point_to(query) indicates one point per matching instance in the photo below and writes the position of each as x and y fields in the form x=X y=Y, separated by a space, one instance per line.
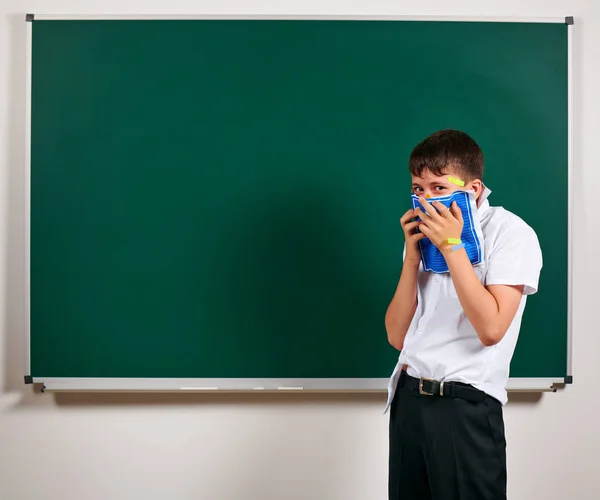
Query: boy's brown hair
x=444 y=150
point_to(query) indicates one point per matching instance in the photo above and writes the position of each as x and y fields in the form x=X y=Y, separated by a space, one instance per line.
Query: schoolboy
x=456 y=331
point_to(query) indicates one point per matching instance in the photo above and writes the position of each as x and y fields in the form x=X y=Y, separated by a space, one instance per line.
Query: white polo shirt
x=441 y=343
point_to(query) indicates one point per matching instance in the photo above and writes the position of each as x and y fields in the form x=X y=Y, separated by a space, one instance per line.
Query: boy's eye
x=417 y=189
x=440 y=188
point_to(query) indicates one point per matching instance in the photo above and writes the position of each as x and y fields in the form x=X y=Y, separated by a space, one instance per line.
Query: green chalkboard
x=220 y=198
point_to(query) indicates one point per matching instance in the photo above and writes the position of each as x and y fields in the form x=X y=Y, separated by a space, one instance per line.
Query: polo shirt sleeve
x=516 y=259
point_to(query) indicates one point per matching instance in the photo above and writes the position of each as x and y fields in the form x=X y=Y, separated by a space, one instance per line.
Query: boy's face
x=431 y=186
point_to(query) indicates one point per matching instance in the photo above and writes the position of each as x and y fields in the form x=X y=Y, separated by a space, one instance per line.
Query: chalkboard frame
x=279 y=385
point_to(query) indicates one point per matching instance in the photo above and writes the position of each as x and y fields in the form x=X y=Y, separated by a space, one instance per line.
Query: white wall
x=266 y=447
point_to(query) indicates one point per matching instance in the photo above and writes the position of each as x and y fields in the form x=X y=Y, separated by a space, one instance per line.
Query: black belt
x=430 y=387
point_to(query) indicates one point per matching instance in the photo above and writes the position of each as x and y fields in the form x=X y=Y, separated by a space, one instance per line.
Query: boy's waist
x=494 y=387
x=440 y=388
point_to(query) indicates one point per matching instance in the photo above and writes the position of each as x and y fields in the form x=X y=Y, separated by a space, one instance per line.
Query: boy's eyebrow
x=440 y=182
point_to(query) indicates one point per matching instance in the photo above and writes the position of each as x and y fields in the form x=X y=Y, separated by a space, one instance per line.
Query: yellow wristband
x=454 y=241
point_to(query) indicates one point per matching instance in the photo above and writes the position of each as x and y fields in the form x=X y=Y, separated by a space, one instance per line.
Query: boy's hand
x=413 y=253
x=438 y=227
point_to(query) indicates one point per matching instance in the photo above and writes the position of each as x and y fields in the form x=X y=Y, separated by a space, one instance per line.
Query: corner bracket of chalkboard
x=569 y=379
x=29 y=18
x=569 y=20
x=28 y=379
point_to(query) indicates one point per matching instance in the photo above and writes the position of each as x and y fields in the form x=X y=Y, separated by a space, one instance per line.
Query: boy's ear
x=477 y=186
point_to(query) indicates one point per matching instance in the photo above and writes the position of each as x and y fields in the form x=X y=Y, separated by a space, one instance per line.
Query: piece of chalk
x=454 y=241
x=458 y=247
x=456 y=181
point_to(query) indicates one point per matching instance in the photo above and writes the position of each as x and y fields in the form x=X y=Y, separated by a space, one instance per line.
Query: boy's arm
x=490 y=310
x=513 y=270
x=402 y=308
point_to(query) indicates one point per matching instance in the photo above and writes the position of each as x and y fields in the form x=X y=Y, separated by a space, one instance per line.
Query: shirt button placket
x=435 y=299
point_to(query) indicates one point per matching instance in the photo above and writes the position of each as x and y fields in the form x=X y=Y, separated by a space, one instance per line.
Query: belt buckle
x=421 y=391
x=426 y=393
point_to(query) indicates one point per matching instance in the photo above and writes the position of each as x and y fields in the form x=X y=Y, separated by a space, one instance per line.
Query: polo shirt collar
x=482 y=203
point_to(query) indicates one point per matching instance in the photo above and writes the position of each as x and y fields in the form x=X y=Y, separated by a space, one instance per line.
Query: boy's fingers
x=425 y=230
x=407 y=216
x=411 y=225
x=456 y=211
x=417 y=237
x=443 y=209
x=429 y=210
x=422 y=214
x=429 y=223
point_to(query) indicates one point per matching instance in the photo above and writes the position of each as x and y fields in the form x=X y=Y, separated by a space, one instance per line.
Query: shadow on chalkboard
x=225 y=398
x=377 y=399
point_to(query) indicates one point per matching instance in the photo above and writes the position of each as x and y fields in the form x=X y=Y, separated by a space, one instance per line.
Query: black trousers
x=444 y=448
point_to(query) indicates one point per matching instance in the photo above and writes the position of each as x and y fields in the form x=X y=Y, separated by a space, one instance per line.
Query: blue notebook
x=471 y=236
